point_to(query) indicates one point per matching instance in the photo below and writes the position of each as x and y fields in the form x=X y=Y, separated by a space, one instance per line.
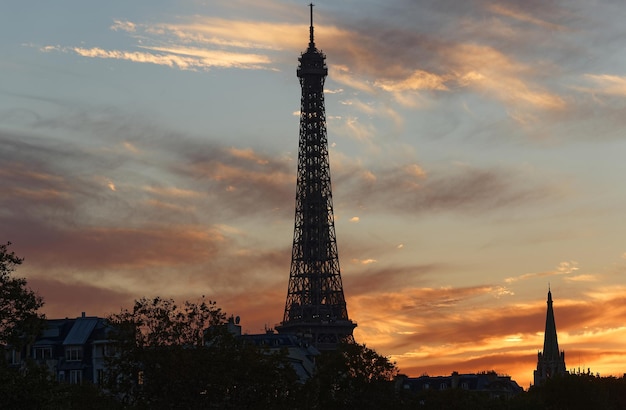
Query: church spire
x=550 y=340
x=551 y=361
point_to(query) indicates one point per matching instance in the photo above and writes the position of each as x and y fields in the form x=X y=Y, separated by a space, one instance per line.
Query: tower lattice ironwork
x=315 y=307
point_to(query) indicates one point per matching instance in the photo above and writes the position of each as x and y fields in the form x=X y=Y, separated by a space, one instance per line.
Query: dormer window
x=73 y=353
x=42 y=353
x=14 y=357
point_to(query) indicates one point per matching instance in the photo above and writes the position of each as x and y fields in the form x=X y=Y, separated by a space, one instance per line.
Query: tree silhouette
x=351 y=377
x=180 y=357
x=20 y=321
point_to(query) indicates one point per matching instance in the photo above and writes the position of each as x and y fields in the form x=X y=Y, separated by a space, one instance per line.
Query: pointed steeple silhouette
x=551 y=361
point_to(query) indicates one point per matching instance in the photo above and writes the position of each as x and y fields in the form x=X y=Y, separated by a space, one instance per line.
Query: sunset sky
x=477 y=151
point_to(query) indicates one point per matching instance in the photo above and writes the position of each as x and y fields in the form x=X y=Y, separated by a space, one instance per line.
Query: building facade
x=73 y=350
x=488 y=383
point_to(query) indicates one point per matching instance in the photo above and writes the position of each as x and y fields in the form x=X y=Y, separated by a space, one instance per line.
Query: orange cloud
x=128 y=26
x=418 y=80
x=606 y=84
x=438 y=331
x=248 y=154
x=64 y=299
x=488 y=69
x=213 y=58
x=564 y=268
x=182 y=58
x=36 y=194
x=201 y=43
x=112 y=248
x=232 y=33
x=16 y=170
x=172 y=192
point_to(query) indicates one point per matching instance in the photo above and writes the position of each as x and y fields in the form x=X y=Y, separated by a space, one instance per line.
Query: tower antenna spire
x=311 y=42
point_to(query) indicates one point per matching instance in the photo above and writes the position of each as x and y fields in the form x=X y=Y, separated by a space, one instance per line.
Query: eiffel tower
x=316 y=307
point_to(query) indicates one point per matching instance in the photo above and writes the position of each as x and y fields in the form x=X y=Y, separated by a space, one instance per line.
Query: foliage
x=29 y=385
x=32 y=387
x=570 y=392
x=237 y=374
x=453 y=399
x=141 y=335
x=19 y=321
x=579 y=391
x=351 y=377
x=183 y=357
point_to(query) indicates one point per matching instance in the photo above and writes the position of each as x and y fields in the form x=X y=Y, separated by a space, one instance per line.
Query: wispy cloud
x=564 y=268
x=231 y=33
x=418 y=80
x=434 y=62
x=127 y=26
x=172 y=192
x=458 y=187
x=216 y=58
x=203 y=43
x=197 y=43
x=182 y=58
x=583 y=278
x=606 y=84
x=486 y=68
x=516 y=13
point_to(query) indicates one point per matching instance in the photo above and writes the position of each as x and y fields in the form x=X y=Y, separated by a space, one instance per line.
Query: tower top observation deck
x=312 y=61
